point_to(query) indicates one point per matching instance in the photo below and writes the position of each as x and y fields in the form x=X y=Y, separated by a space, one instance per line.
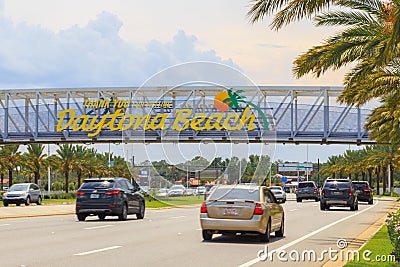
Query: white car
x=177 y=191
x=201 y=190
x=279 y=193
x=163 y=192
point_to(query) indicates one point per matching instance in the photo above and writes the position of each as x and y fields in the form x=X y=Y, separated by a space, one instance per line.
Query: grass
x=174 y=201
x=162 y=203
x=378 y=245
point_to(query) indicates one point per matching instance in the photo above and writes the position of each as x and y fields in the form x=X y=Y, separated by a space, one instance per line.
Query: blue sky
x=90 y=43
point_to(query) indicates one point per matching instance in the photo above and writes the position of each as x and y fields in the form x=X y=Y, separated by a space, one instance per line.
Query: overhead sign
x=231 y=111
x=295 y=167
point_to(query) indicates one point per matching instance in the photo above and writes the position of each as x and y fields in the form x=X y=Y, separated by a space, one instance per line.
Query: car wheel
x=101 y=216
x=5 y=204
x=281 y=230
x=327 y=207
x=316 y=199
x=27 y=201
x=283 y=201
x=81 y=217
x=124 y=213
x=322 y=206
x=265 y=237
x=371 y=202
x=356 y=206
x=39 y=202
x=140 y=215
x=207 y=235
x=299 y=200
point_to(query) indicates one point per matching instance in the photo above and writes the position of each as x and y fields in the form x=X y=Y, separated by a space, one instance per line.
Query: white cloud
x=93 y=55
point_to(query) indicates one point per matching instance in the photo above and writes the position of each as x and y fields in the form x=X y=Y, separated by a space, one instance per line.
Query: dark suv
x=109 y=197
x=338 y=192
x=307 y=190
x=364 y=191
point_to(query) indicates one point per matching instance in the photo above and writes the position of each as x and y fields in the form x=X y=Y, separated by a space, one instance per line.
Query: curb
x=362 y=239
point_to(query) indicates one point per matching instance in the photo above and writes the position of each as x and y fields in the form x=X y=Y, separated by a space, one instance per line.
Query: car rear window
x=235 y=193
x=361 y=185
x=302 y=185
x=339 y=185
x=97 y=184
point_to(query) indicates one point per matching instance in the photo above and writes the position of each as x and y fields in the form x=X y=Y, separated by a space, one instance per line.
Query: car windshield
x=339 y=185
x=163 y=190
x=302 y=185
x=19 y=187
x=97 y=185
x=360 y=185
x=235 y=193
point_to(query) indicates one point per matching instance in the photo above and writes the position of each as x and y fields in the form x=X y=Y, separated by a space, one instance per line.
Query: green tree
x=65 y=155
x=35 y=159
x=11 y=157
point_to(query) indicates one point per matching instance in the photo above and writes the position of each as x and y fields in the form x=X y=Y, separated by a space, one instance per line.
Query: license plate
x=230 y=212
x=358 y=191
x=94 y=195
x=337 y=193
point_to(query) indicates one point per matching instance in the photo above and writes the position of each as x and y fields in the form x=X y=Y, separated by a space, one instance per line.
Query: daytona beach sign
x=235 y=113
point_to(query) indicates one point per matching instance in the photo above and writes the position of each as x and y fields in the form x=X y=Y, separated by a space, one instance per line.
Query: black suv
x=338 y=192
x=307 y=190
x=364 y=191
x=109 y=197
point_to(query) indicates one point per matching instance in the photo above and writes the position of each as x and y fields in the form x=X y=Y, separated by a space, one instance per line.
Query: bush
x=393 y=225
x=61 y=196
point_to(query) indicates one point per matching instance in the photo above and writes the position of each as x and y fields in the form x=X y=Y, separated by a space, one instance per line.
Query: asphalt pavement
x=171 y=237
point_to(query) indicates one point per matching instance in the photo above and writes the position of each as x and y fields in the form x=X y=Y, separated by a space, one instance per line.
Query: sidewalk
x=34 y=211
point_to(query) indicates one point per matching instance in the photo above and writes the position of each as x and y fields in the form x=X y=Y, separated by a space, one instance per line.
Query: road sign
x=295 y=167
x=284 y=179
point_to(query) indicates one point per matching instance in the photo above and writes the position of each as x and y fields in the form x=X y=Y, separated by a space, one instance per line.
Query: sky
x=91 y=43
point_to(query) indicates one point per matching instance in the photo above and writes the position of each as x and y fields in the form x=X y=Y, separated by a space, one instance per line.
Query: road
x=172 y=237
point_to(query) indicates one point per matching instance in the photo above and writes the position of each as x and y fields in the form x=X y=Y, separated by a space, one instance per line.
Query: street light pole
x=48 y=171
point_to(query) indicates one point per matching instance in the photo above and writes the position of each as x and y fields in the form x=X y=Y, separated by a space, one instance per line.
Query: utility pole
x=48 y=171
x=318 y=174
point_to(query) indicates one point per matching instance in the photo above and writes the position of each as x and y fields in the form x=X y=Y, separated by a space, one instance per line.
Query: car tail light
x=80 y=193
x=315 y=190
x=258 y=209
x=78 y=206
x=350 y=192
x=112 y=206
x=366 y=189
x=323 y=192
x=203 y=208
x=297 y=190
x=113 y=192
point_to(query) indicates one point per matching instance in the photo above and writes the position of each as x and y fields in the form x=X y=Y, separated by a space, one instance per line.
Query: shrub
x=393 y=225
x=60 y=196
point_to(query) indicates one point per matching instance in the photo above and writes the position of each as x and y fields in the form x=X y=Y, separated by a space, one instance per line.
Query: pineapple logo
x=230 y=100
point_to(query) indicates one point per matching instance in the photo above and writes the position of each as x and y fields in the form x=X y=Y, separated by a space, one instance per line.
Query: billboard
x=295 y=167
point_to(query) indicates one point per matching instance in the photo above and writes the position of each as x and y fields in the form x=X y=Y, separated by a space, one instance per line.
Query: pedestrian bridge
x=284 y=114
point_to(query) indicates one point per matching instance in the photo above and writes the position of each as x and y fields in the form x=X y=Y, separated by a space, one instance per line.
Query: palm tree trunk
x=2 y=180
x=391 y=178
x=384 y=172
x=37 y=177
x=66 y=181
x=370 y=177
x=363 y=176
x=79 y=174
x=10 y=177
x=378 y=172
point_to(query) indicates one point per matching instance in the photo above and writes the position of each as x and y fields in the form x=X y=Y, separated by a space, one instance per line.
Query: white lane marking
x=177 y=217
x=199 y=229
x=256 y=260
x=6 y=224
x=160 y=211
x=98 y=227
x=315 y=205
x=97 y=250
x=293 y=209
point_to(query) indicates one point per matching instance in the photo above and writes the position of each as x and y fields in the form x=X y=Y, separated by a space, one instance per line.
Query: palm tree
x=35 y=159
x=65 y=155
x=11 y=159
x=81 y=156
x=234 y=98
